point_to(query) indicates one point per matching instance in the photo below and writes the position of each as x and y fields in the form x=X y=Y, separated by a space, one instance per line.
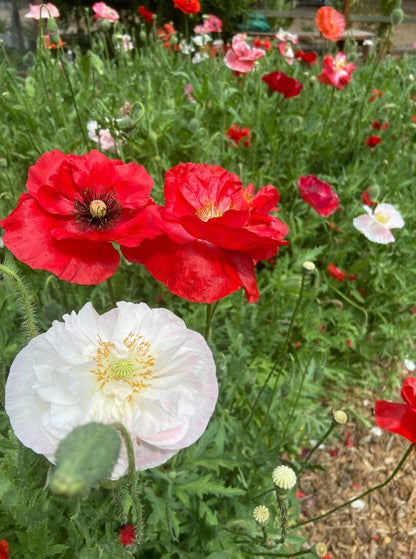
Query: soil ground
x=384 y=524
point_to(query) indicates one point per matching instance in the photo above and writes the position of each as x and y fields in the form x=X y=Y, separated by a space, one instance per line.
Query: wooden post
x=347 y=9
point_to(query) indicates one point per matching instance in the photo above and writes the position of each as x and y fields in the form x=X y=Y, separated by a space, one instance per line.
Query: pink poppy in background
x=286 y=37
x=102 y=137
x=318 y=194
x=102 y=11
x=399 y=418
x=376 y=226
x=212 y=24
x=215 y=231
x=189 y=88
x=241 y=57
x=309 y=57
x=286 y=50
x=336 y=70
x=38 y=11
x=372 y=141
x=280 y=82
x=330 y=23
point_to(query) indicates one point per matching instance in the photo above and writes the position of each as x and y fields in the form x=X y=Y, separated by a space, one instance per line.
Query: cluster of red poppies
x=203 y=244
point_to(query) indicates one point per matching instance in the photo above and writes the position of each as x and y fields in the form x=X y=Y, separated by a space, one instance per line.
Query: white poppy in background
x=376 y=227
x=102 y=136
x=138 y=366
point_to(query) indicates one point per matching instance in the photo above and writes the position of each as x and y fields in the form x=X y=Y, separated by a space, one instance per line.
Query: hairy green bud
x=397 y=16
x=85 y=457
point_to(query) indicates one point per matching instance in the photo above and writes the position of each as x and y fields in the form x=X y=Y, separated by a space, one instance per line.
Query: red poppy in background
x=330 y=23
x=318 y=194
x=414 y=118
x=74 y=209
x=309 y=57
x=377 y=94
x=400 y=418
x=146 y=15
x=280 y=82
x=237 y=134
x=262 y=43
x=372 y=141
x=4 y=549
x=215 y=231
x=187 y=6
x=366 y=198
x=127 y=534
x=338 y=274
x=336 y=70
x=377 y=125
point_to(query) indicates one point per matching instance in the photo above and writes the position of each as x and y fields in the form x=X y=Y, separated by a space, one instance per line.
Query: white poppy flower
x=376 y=227
x=135 y=365
x=102 y=136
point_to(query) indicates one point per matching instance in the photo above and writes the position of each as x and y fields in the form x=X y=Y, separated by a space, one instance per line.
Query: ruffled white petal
x=53 y=385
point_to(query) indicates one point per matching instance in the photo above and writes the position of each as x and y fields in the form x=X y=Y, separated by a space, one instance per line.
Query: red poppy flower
x=400 y=418
x=414 y=118
x=127 y=534
x=375 y=95
x=330 y=23
x=309 y=57
x=74 y=209
x=336 y=70
x=377 y=125
x=372 y=141
x=262 y=43
x=318 y=194
x=338 y=274
x=187 y=6
x=215 y=231
x=280 y=82
x=365 y=197
x=237 y=134
x=4 y=549
x=146 y=15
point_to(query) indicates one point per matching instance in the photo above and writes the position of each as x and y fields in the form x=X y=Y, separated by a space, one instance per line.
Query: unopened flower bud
x=309 y=266
x=261 y=515
x=321 y=549
x=284 y=477
x=397 y=16
x=52 y=31
x=340 y=417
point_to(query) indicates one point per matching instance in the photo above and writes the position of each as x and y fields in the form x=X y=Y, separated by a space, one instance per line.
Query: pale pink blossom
x=376 y=227
x=286 y=51
x=102 y=136
x=212 y=24
x=287 y=37
x=38 y=11
x=134 y=365
x=189 y=88
x=241 y=57
x=102 y=11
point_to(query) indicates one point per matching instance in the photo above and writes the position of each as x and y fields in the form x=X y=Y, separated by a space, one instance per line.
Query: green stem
x=375 y=488
x=111 y=292
x=131 y=473
x=208 y=320
x=282 y=504
x=318 y=444
x=274 y=554
x=32 y=330
x=282 y=350
x=74 y=101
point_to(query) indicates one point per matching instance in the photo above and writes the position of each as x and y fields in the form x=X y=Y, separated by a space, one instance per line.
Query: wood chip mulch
x=384 y=526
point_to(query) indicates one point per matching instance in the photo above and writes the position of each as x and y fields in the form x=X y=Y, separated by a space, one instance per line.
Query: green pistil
x=123 y=368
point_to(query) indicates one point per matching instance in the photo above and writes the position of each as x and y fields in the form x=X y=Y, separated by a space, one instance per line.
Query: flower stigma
x=97 y=209
x=382 y=217
x=127 y=365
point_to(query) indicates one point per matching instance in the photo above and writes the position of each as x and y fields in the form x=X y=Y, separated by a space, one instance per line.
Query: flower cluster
x=202 y=245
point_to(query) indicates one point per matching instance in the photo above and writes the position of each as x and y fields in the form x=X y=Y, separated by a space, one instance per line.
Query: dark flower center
x=97 y=209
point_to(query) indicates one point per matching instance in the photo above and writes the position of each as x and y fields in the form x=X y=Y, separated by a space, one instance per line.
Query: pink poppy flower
x=286 y=50
x=102 y=11
x=241 y=57
x=318 y=194
x=212 y=24
x=336 y=71
x=189 y=88
x=38 y=11
x=102 y=136
x=376 y=227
